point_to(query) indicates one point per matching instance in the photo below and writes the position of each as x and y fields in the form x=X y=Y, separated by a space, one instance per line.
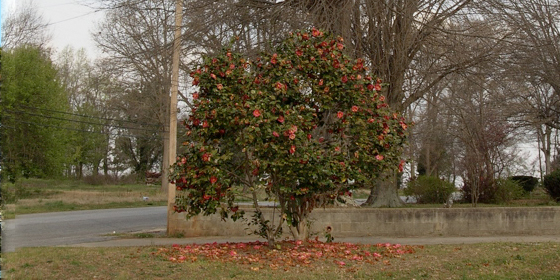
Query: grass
x=38 y=196
x=474 y=261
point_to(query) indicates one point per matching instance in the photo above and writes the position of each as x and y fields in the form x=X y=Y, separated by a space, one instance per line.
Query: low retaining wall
x=399 y=222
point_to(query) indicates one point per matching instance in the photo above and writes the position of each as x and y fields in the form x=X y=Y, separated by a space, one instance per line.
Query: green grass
x=39 y=195
x=475 y=261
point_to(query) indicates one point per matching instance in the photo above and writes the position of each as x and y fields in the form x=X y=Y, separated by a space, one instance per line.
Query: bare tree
x=137 y=36
x=25 y=27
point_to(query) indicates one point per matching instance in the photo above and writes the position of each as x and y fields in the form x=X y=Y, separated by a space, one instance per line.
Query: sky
x=70 y=22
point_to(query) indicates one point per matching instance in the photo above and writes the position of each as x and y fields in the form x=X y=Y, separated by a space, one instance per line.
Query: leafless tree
x=25 y=27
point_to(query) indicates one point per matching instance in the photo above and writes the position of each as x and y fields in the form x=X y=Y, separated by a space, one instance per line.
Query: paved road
x=66 y=228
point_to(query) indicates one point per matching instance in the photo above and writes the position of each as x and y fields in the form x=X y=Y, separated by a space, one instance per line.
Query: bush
x=551 y=183
x=528 y=183
x=429 y=189
x=506 y=190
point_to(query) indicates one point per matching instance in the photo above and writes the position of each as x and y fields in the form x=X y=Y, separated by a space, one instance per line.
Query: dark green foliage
x=494 y=191
x=506 y=190
x=429 y=189
x=528 y=183
x=551 y=183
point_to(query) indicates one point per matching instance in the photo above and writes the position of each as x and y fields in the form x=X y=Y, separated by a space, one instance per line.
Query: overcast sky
x=70 y=22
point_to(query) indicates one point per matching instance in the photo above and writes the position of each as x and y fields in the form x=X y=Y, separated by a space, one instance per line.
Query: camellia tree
x=301 y=123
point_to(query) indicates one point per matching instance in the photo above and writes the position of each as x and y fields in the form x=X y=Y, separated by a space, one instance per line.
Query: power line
x=78 y=121
x=69 y=128
x=84 y=116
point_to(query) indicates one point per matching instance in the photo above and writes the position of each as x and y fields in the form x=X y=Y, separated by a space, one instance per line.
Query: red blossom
x=219 y=86
x=205 y=124
x=309 y=136
x=299 y=52
x=340 y=114
x=401 y=166
x=256 y=113
x=280 y=119
x=379 y=157
x=213 y=76
x=378 y=87
x=316 y=33
x=273 y=60
x=292 y=149
x=195 y=95
x=340 y=46
x=206 y=157
x=354 y=108
x=344 y=79
x=275 y=134
x=213 y=180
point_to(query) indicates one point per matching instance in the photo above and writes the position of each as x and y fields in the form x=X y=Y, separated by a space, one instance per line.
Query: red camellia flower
x=273 y=60
x=321 y=82
x=256 y=113
x=205 y=124
x=299 y=52
x=206 y=157
x=195 y=95
x=195 y=81
x=377 y=87
x=213 y=180
x=370 y=87
x=344 y=79
x=403 y=125
x=206 y=197
x=213 y=76
x=220 y=86
x=309 y=136
x=379 y=157
x=401 y=166
x=354 y=108
x=316 y=33
x=292 y=136
x=340 y=114
x=275 y=134
x=281 y=119
x=292 y=149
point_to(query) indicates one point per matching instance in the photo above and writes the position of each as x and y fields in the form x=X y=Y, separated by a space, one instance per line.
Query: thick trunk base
x=385 y=193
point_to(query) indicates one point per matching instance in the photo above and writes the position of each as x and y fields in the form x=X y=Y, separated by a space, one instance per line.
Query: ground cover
x=291 y=260
x=38 y=196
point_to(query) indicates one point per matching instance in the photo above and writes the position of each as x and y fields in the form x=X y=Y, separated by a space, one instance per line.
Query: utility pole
x=172 y=140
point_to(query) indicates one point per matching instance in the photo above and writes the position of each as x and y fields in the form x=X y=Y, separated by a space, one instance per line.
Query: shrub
x=551 y=183
x=506 y=190
x=429 y=189
x=528 y=183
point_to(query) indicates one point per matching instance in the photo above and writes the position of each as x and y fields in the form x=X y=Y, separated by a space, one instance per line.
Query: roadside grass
x=29 y=196
x=38 y=195
x=473 y=261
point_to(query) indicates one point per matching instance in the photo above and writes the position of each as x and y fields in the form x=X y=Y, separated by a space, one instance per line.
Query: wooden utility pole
x=172 y=150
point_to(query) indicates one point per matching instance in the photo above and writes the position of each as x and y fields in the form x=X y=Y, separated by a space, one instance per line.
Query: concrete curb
x=130 y=242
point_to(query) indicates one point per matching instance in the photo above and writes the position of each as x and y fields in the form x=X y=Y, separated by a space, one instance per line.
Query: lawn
x=290 y=261
x=38 y=196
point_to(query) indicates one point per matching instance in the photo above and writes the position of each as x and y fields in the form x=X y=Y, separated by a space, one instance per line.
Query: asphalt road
x=66 y=228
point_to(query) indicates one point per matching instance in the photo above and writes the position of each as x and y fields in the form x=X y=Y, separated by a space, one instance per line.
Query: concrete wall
x=401 y=222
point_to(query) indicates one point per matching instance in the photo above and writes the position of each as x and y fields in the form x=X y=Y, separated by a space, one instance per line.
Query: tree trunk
x=385 y=193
